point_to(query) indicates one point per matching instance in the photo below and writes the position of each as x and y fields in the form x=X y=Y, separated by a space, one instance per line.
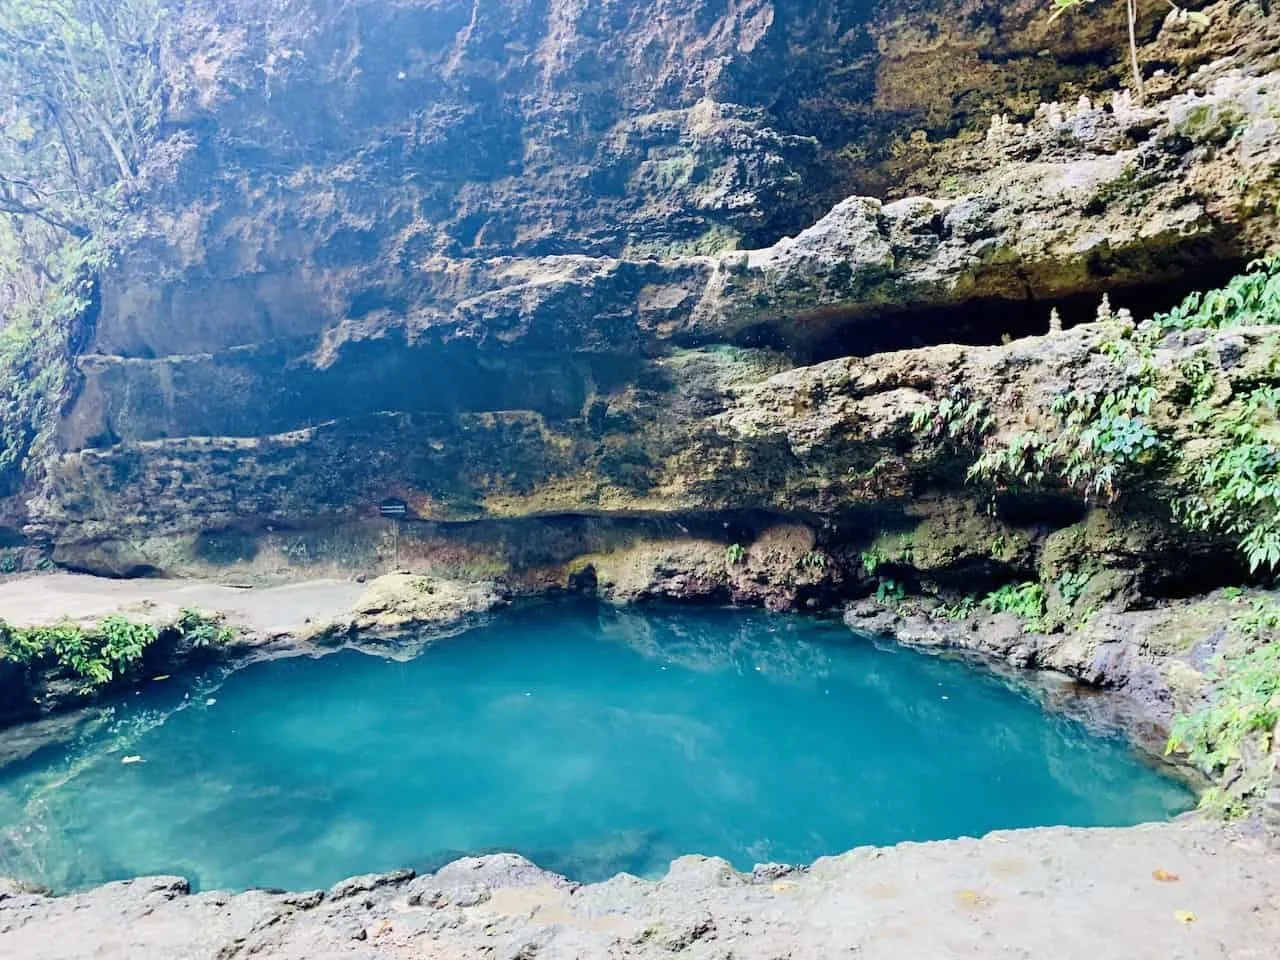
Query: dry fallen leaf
x=1164 y=876
x=1186 y=916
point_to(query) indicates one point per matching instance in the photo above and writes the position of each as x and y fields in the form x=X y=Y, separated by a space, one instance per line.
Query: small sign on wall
x=393 y=507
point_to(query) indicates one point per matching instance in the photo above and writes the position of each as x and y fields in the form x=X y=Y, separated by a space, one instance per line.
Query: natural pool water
x=590 y=740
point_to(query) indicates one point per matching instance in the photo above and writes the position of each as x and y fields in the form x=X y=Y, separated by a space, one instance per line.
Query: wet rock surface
x=1134 y=670
x=1181 y=889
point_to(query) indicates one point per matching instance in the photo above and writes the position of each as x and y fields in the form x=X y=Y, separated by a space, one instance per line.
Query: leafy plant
x=123 y=641
x=890 y=592
x=1025 y=600
x=201 y=629
x=813 y=560
x=734 y=554
x=959 y=610
x=1251 y=298
x=1238 y=484
x=96 y=655
x=1072 y=584
x=957 y=417
x=872 y=559
x=1020 y=461
x=1244 y=703
x=1101 y=438
x=1263 y=618
x=106 y=651
x=1200 y=375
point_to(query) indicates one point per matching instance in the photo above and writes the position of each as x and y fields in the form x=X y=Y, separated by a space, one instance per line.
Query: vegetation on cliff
x=107 y=651
x=1209 y=452
x=1181 y=424
x=1230 y=736
x=80 y=105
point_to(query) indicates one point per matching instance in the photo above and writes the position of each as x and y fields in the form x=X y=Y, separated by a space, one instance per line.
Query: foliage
x=1019 y=461
x=957 y=418
x=1249 y=299
x=1224 y=469
x=1263 y=618
x=123 y=641
x=33 y=352
x=1101 y=438
x=1238 y=484
x=80 y=101
x=881 y=552
x=80 y=106
x=105 y=652
x=813 y=560
x=95 y=656
x=734 y=554
x=1025 y=600
x=1072 y=583
x=202 y=629
x=890 y=592
x=959 y=610
x=1200 y=375
x=1244 y=704
x=872 y=558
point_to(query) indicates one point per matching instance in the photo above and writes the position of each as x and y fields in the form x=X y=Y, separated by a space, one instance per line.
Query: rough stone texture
x=1143 y=893
x=257 y=364
x=1153 y=663
x=399 y=603
x=395 y=615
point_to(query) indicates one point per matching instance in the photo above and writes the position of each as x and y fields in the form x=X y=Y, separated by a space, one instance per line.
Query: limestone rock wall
x=482 y=257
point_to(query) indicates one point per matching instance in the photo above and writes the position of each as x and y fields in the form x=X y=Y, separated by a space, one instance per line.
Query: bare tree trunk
x=1139 y=89
x=126 y=108
x=73 y=164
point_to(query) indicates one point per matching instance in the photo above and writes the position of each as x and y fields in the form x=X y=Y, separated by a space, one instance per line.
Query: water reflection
x=589 y=740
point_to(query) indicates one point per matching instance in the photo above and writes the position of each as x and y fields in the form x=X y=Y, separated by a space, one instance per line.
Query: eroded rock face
x=517 y=387
x=461 y=299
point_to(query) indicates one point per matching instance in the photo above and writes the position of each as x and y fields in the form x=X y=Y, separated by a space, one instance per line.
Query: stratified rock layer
x=526 y=387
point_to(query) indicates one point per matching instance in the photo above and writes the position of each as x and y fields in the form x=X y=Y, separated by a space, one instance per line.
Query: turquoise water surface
x=590 y=740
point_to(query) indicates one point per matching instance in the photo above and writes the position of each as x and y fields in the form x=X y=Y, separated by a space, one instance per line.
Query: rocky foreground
x=1181 y=890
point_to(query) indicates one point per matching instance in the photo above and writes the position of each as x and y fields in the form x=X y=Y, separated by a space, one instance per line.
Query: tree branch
x=12 y=205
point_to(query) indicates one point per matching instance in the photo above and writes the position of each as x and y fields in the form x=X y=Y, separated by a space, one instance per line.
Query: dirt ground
x=29 y=601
